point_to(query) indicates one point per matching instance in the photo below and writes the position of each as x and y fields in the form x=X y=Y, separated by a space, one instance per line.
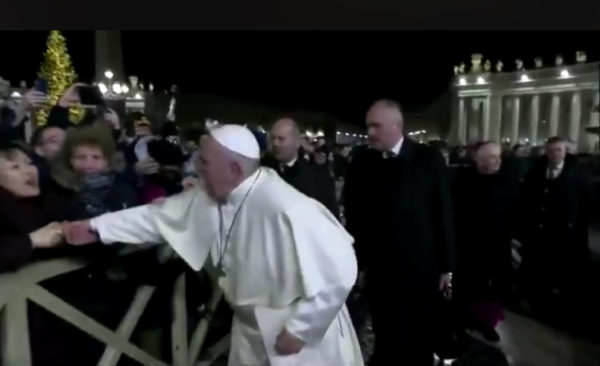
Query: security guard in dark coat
x=556 y=255
x=311 y=179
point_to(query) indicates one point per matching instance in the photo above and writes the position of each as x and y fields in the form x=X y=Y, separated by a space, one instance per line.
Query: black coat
x=310 y=179
x=557 y=213
x=340 y=166
x=486 y=214
x=19 y=218
x=400 y=213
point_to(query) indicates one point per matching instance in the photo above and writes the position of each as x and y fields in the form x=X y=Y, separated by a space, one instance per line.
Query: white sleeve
x=131 y=226
x=328 y=267
x=313 y=316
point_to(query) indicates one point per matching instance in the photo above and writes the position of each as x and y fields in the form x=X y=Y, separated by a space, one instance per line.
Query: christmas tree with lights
x=59 y=74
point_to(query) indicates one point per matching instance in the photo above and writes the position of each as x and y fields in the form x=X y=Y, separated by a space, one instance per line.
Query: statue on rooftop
x=487 y=66
x=558 y=61
x=133 y=80
x=499 y=66
x=519 y=64
x=476 y=62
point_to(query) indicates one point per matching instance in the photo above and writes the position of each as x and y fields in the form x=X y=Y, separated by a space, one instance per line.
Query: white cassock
x=288 y=263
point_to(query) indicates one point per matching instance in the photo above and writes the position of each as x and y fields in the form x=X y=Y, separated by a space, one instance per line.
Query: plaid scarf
x=94 y=193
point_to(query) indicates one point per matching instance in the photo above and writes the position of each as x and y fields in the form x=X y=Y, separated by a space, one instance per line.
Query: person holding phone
x=14 y=114
x=59 y=114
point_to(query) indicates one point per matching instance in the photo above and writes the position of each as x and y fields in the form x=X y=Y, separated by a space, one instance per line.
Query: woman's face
x=88 y=160
x=18 y=175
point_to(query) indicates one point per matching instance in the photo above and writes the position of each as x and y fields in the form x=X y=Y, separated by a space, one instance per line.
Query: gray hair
x=391 y=104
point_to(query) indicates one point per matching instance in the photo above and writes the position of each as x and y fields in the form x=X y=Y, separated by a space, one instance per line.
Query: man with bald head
x=486 y=216
x=311 y=179
x=397 y=203
x=286 y=277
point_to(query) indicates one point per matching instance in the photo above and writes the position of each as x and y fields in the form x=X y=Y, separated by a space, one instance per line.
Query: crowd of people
x=473 y=227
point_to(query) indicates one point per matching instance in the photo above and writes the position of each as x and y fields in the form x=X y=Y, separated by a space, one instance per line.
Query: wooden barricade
x=21 y=286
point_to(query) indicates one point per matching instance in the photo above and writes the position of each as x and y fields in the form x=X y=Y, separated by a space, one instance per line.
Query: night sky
x=336 y=72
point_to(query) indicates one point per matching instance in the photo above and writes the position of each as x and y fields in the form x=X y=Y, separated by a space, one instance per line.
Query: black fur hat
x=166 y=152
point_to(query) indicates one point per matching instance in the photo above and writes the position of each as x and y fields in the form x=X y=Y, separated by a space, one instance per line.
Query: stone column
x=591 y=139
x=474 y=121
x=534 y=117
x=495 y=117
x=462 y=122
x=554 y=115
x=516 y=113
x=575 y=118
x=109 y=55
x=485 y=130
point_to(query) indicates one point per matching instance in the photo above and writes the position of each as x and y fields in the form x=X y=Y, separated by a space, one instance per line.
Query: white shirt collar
x=554 y=171
x=291 y=162
x=396 y=149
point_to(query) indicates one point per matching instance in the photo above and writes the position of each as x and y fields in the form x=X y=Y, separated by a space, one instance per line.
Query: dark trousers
x=404 y=328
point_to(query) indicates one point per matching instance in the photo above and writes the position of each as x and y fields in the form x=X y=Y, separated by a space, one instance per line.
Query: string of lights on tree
x=58 y=72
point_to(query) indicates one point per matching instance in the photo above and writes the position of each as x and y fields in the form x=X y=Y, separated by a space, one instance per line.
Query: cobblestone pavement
x=530 y=343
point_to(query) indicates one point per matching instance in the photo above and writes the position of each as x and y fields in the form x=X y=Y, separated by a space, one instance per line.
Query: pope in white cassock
x=285 y=264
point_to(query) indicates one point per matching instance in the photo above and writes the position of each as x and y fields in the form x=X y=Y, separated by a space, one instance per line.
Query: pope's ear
x=236 y=169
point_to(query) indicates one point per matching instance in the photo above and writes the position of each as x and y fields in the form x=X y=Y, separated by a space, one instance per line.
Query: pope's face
x=214 y=168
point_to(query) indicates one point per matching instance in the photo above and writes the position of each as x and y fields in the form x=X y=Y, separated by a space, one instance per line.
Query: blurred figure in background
x=312 y=180
x=47 y=141
x=556 y=254
x=306 y=149
x=341 y=160
x=486 y=222
x=164 y=159
x=518 y=163
x=571 y=147
x=458 y=157
x=142 y=126
x=262 y=140
x=14 y=114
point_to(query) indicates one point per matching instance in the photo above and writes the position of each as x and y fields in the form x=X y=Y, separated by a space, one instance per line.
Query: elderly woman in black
x=83 y=173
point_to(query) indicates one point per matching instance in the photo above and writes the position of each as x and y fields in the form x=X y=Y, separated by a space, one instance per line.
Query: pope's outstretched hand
x=79 y=233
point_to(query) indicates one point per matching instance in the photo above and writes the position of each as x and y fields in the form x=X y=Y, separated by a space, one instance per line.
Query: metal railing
x=23 y=285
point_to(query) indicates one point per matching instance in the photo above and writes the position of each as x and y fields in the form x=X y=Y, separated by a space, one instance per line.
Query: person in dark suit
x=486 y=218
x=556 y=254
x=398 y=207
x=311 y=179
x=341 y=160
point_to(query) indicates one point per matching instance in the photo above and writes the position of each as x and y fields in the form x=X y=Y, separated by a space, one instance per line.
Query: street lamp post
x=118 y=92
x=112 y=89
x=109 y=75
